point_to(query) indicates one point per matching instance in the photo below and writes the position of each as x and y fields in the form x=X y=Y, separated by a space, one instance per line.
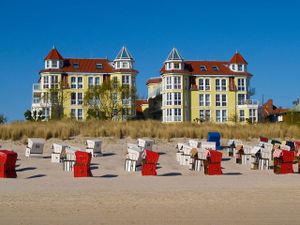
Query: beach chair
x=145 y=143
x=133 y=157
x=8 y=164
x=194 y=143
x=94 y=147
x=212 y=163
x=35 y=147
x=69 y=158
x=82 y=165
x=179 y=153
x=283 y=161
x=215 y=137
x=246 y=155
x=255 y=156
x=265 y=157
x=231 y=144
x=185 y=158
x=149 y=163
x=56 y=155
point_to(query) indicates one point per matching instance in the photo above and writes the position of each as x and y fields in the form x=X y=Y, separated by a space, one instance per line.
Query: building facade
x=212 y=91
x=65 y=81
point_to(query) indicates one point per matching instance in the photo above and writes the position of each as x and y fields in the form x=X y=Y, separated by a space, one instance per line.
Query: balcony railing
x=248 y=102
x=37 y=100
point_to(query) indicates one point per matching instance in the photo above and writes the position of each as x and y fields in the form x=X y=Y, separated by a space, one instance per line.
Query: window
x=177 y=98
x=90 y=81
x=223 y=85
x=215 y=68
x=46 y=81
x=218 y=102
x=207 y=84
x=221 y=100
x=79 y=98
x=169 y=83
x=118 y=65
x=176 y=65
x=97 y=81
x=233 y=67
x=241 y=99
x=203 y=68
x=221 y=115
x=252 y=115
x=204 y=115
x=218 y=87
x=47 y=64
x=169 y=99
x=73 y=82
x=79 y=82
x=242 y=115
x=177 y=114
x=240 y=67
x=73 y=98
x=125 y=79
x=54 y=81
x=76 y=65
x=99 y=66
x=54 y=63
x=115 y=82
x=241 y=84
x=201 y=100
x=177 y=82
x=203 y=82
x=207 y=99
x=224 y=100
x=79 y=114
x=125 y=65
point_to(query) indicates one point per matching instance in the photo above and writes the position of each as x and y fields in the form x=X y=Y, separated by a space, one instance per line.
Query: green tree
x=56 y=96
x=105 y=101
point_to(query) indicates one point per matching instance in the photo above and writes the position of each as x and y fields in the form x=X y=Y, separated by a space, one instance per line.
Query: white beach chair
x=179 y=153
x=185 y=157
x=58 y=149
x=265 y=157
x=246 y=157
x=94 y=147
x=145 y=143
x=133 y=157
x=194 y=143
x=35 y=147
x=208 y=145
x=69 y=158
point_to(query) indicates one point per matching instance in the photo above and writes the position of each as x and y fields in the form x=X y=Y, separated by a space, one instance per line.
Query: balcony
x=248 y=103
x=36 y=88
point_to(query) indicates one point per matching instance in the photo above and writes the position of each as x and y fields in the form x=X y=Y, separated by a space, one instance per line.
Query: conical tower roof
x=238 y=59
x=174 y=55
x=54 y=54
x=124 y=54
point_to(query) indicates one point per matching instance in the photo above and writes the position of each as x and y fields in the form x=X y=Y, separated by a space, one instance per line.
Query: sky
x=266 y=33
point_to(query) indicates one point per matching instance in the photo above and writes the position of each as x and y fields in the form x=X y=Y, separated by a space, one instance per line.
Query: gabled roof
x=124 y=54
x=174 y=55
x=54 y=54
x=270 y=109
x=193 y=68
x=238 y=59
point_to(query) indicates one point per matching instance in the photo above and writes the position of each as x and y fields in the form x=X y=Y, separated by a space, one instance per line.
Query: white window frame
x=221 y=115
x=73 y=100
x=177 y=82
x=241 y=99
x=125 y=79
x=253 y=115
x=241 y=84
x=73 y=83
x=46 y=82
x=242 y=115
x=204 y=114
x=169 y=98
x=168 y=83
x=90 y=82
x=177 y=98
x=79 y=82
x=223 y=84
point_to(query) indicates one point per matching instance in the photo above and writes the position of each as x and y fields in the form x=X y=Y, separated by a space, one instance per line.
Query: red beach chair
x=8 y=164
x=149 y=163
x=212 y=166
x=82 y=165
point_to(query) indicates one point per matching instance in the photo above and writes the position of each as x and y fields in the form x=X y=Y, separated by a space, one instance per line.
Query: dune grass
x=134 y=129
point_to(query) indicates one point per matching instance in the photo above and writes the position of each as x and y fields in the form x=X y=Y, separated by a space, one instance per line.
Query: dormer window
x=76 y=65
x=215 y=68
x=176 y=65
x=54 y=63
x=99 y=66
x=203 y=68
x=240 y=67
x=125 y=65
x=233 y=67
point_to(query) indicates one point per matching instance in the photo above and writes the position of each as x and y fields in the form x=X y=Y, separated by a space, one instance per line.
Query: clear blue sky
x=266 y=33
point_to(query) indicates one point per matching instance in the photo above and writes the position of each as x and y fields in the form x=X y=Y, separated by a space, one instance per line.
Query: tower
x=124 y=59
x=238 y=63
x=174 y=61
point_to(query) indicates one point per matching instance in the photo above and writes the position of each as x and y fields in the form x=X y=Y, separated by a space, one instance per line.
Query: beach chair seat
x=35 y=147
x=57 y=153
x=94 y=147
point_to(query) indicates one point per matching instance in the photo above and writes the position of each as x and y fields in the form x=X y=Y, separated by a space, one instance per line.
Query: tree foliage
x=2 y=119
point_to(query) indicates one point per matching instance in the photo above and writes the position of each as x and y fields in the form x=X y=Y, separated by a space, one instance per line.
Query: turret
x=124 y=60
x=174 y=61
x=238 y=63
x=54 y=60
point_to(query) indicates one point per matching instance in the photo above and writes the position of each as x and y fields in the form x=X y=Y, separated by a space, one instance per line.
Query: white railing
x=249 y=102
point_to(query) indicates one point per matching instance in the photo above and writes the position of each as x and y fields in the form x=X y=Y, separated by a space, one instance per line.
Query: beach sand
x=44 y=194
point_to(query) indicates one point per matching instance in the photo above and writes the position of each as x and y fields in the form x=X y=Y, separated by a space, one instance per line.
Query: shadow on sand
x=107 y=176
x=172 y=174
x=233 y=173
x=25 y=169
x=108 y=154
x=36 y=176
x=226 y=159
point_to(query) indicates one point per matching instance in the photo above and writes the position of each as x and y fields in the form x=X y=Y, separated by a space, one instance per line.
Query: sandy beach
x=44 y=194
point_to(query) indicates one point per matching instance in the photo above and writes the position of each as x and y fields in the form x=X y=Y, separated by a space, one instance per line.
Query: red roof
x=155 y=80
x=238 y=59
x=84 y=66
x=193 y=68
x=139 y=103
x=270 y=109
x=54 y=54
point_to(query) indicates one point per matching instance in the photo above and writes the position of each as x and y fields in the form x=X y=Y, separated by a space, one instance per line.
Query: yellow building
x=212 y=91
x=73 y=77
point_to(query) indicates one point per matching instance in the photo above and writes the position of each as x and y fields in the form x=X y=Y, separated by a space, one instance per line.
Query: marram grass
x=134 y=129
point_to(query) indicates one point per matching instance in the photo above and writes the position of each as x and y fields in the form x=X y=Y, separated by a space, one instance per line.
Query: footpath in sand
x=44 y=194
